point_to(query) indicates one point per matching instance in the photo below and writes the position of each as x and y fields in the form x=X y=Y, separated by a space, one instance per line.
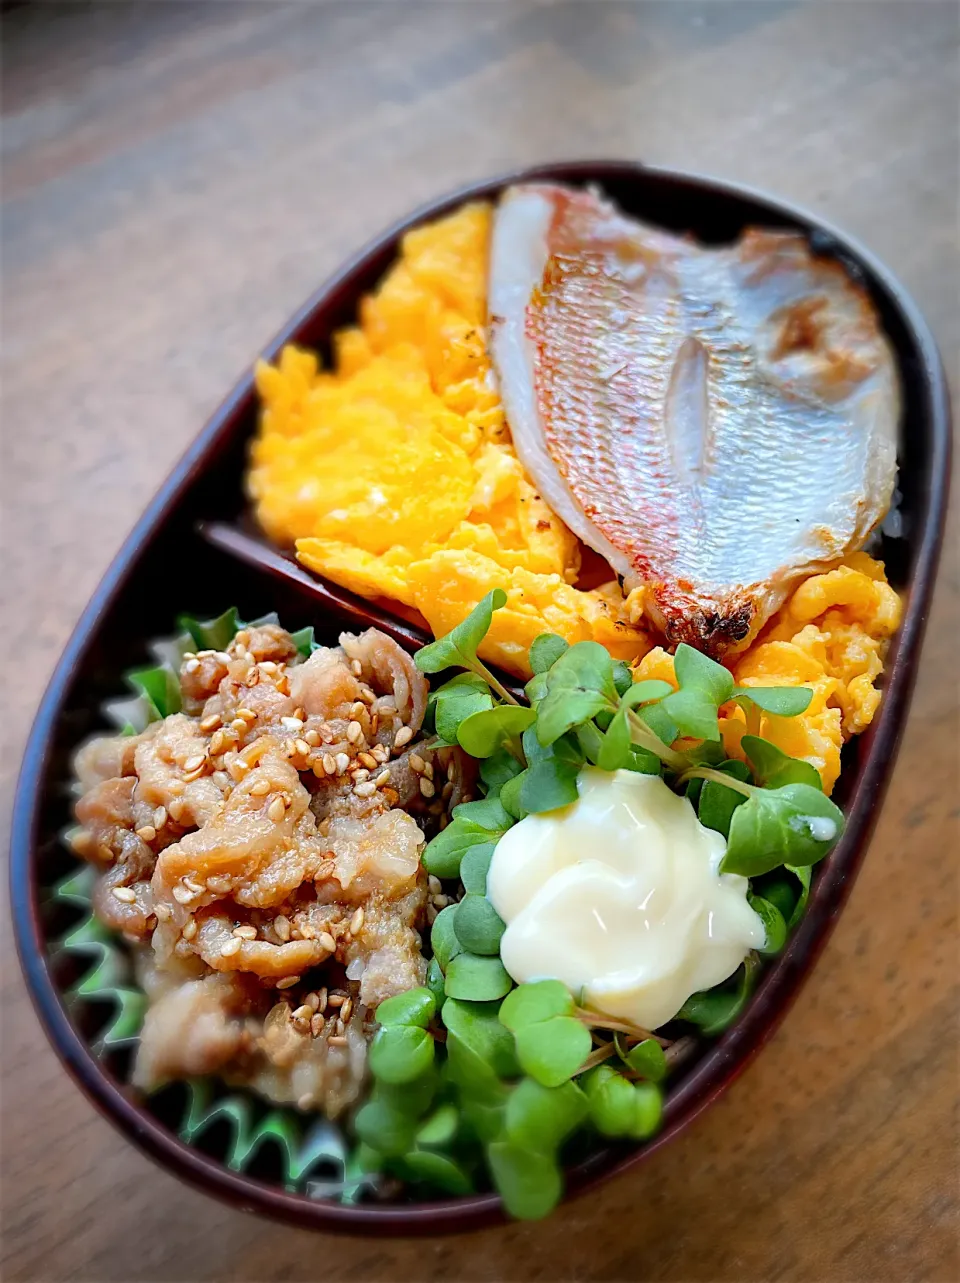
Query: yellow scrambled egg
x=829 y=635
x=394 y=474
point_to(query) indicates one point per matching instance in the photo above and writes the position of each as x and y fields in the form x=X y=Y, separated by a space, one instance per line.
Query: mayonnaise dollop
x=620 y=895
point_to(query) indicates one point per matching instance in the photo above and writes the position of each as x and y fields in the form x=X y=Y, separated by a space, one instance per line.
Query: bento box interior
x=180 y=570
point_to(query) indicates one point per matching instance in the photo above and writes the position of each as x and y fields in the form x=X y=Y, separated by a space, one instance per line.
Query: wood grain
x=176 y=180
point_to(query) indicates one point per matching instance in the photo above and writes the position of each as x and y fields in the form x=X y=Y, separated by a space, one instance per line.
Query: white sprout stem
x=752 y=713
x=718 y=777
x=619 y=1026
x=597 y=1057
x=642 y=734
x=482 y=671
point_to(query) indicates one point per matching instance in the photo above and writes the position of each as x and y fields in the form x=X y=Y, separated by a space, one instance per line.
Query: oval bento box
x=198 y=524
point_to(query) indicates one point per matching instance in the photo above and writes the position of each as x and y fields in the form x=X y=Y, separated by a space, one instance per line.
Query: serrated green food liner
x=314 y=1154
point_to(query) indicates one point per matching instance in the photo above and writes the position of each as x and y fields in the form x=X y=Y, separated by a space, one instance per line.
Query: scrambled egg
x=394 y=474
x=829 y=635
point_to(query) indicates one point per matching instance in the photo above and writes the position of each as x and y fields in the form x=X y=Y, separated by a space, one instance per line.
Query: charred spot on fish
x=711 y=631
x=801 y=330
x=735 y=627
x=814 y=348
x=543 y=525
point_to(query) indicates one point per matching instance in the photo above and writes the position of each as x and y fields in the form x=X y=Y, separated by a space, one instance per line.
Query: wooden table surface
x=176 y=180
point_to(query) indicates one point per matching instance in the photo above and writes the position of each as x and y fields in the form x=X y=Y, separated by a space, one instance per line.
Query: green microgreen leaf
x=553 y=1050
x=619 y=753
x=478 y=925
x=694 y=714
x=717 y=803
x=478 y=1082
x=779 y=888
x=474 y=868
x=785 y=701
x=544 y=652
x=716 y=1009
x=533 y=750
x=529 y=1004
x=610 y=1101
x=473 y=824
x=646 y=692
x=442 y=855
x=795 y=824
x=616 y=749
x=804 y=875
x=560 y=711
x=478 y=1027
x=413 y=1007
x=660 y=722
x=705 y=754
x=436 y=1170
x=703 y=686
x=384 y=1129
x=622 y=676
x=696 y=671
x=413 y=1098
x=547 y=785
x=644 y=762
x=589 y=741
x=579 y=686
x=483 y=733
x=510 y=796
x=535 y=689
x=368 y=1159
x=529 y=1182
x=648 y=1110
x=483 y=1121
x=773 y=768
x=497 y=769
x=443 y=937
x=565 y=749
x=456 y=700
x=401 y=1053
x=645 y=1058
x=435 y=981
x=541 y=1118
x=476 y=979
x=440 y=1128
x=458 y=649
x=487 y=814
x=773 y=923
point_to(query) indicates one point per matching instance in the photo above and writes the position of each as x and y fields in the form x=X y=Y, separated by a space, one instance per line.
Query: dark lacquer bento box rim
x=731 y=1054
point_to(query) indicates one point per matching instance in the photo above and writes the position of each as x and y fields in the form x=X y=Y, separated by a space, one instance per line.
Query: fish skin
x=716 y=423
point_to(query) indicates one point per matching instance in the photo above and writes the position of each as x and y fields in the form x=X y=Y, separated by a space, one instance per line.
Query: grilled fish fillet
x=716 y=423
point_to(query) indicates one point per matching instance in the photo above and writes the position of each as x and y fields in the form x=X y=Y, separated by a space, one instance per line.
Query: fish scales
x=715 y=422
